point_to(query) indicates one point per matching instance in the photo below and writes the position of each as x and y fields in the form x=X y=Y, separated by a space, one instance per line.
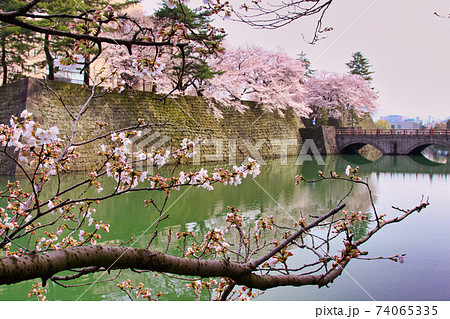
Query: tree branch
x=11 y=19
x=17 y=269
x=293 y=237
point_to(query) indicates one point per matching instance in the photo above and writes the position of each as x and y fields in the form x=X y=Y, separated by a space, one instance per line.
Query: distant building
x=69 y=73
x=403 y=122
x=405 y=125
x=392 y=118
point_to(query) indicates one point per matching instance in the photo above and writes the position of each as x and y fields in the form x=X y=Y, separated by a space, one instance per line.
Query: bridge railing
x=376 y=131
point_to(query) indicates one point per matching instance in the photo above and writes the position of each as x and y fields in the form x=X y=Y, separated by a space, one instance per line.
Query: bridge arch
x=391 y=142
x=352 y=147
x=419 y=147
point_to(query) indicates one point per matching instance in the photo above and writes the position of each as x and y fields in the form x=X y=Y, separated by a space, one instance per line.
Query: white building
x=405 y=125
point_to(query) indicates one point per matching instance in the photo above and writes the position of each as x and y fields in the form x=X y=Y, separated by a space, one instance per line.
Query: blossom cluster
x=181 y=234
x=50 y=240
x=140 y=291
x=15 y=208
x=95 y=17
x=119 y=167
x=176 y=33
x=355 y=216
x=280 y=257
x=40 y=154
x=197 y=286
x=234 y=218
x=224 y=176
x=246 y=294
x=214 y=242
x=348 y=252
x=243 y=293
x=350 y=218
x=147 y=66
x=351 y=172
x=37 y=148
x=38 y=291
x=399 y=258
x=261 y=223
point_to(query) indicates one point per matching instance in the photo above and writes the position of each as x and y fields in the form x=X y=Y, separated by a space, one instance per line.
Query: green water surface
x=395 y=181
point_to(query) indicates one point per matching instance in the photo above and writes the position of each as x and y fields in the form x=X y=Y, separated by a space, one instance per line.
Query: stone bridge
x=390 y=141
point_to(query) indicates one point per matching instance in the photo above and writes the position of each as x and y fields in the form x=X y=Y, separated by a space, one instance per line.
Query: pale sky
x=407 y=45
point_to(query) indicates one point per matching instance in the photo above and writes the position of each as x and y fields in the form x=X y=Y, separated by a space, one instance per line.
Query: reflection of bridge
x=392 y=141
x=394 y=164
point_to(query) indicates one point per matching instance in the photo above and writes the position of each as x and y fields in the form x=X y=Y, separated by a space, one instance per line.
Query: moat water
x=395 y=181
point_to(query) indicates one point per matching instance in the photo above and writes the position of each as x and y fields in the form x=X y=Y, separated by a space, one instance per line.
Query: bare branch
x=294 y=236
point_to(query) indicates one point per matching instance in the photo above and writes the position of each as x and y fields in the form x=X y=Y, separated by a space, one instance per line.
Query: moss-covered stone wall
x=13 y=99
x=252 y=133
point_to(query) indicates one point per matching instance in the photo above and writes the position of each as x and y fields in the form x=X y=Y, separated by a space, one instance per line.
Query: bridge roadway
x=391 y=141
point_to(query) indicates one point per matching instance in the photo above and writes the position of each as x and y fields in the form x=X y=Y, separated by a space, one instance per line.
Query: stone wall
x=250 y=134
x=324 y=137
x=13 y=99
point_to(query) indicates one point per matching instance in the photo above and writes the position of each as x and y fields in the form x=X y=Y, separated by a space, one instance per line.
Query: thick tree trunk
x=14 y=270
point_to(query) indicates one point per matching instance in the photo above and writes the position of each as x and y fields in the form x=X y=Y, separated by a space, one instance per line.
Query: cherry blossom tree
x=271 y=79
x=93 y=29
x=168 y=69
x=43 y=234
x=196 y=68
x=144 y=64
x=335 y=95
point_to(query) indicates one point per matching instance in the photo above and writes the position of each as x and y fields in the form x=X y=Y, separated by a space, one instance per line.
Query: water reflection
x=437 y=154
x=393 y=180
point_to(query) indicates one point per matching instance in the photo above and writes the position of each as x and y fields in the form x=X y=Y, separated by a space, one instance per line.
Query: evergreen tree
x=57 y=47
x=54 y=47
x=196 y=68
x=16 y=42
x=15 y=45
x=322 y=117
x=360 y=65
x=307 y=64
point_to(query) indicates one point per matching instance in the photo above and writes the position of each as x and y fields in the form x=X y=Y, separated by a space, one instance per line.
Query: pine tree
x=360 y=65
x=307 y=64
x=196 y=69
x=15 y=45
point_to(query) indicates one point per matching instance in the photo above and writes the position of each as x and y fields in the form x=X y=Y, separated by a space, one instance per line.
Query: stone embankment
x=232 y=138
